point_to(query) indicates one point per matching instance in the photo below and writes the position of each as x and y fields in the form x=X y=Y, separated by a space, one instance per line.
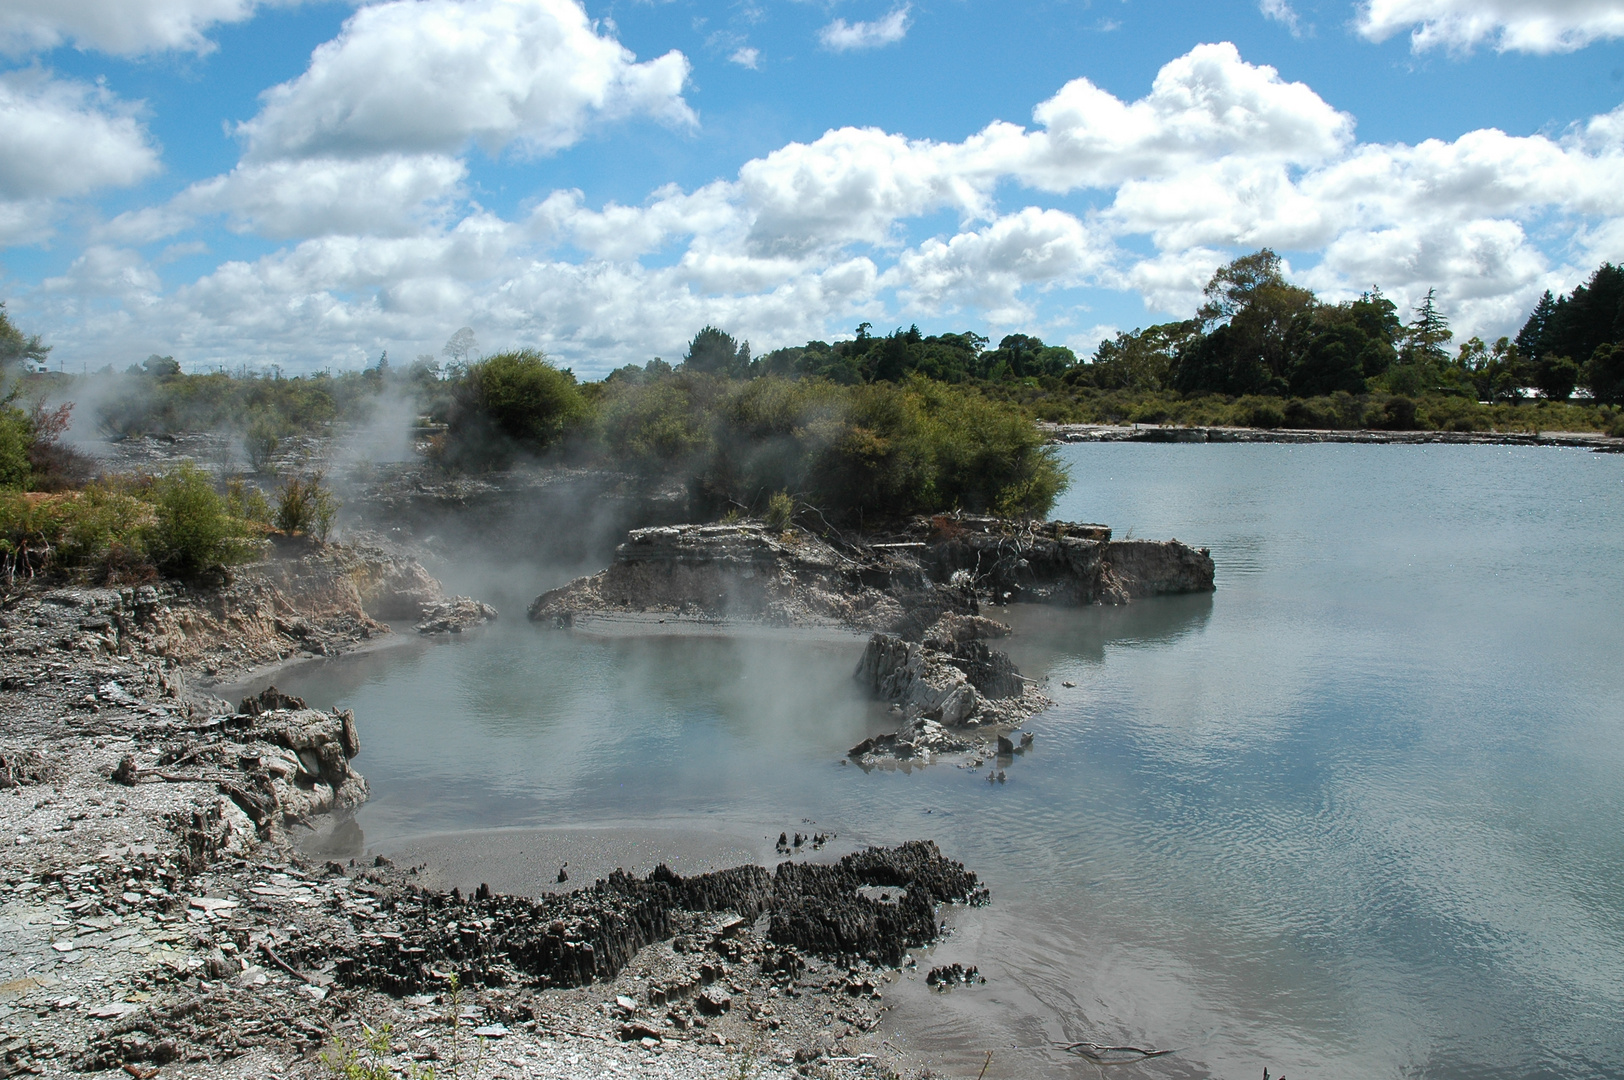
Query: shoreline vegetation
x=852 y=435
x=898 y=424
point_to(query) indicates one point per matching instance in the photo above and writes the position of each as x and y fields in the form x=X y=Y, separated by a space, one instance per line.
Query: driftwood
x=1110 y=1055
x=270 y=954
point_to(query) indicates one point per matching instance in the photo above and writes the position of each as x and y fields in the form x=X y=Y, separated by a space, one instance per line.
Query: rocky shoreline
x=158 y=919
x=919 y=591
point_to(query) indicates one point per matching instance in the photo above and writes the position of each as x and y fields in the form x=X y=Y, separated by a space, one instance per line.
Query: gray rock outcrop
x=899 y=583
x=455 y=615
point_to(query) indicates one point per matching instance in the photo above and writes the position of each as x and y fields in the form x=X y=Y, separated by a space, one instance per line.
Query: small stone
x=712 y=1004
x=209 y=905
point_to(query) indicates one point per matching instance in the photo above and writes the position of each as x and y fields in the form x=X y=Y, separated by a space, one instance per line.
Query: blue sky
x=308 y=184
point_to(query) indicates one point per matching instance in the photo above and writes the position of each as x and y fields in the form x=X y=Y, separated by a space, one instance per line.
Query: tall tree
x=1532 y=335
x=1248 y=319
x=1427 y=332
x=16 y=346
x=460 y=345
x=715 y=352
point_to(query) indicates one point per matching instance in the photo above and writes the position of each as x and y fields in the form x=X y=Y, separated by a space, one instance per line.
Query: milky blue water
x=1358 y=814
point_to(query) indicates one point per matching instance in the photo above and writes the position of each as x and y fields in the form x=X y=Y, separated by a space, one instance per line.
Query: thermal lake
x=1359 y=814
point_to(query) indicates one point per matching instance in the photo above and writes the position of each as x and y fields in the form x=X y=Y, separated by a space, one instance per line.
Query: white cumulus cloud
x=62 y=139
x=122 y=27
x=1206 y=104
x=851 y=185
x=1282 y=12
x=842 y=36
x=988 y=268
x=67 y=138
x=1533 y=26
x=387 y=249
x=431 y=76
x=387 y=195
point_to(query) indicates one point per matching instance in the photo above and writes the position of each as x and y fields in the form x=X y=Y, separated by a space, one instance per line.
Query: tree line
x=878 y=424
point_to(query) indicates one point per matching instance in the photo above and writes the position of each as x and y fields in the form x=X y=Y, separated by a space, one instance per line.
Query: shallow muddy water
x=1356 y=815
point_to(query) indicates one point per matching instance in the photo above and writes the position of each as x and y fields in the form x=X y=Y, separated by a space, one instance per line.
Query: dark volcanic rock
x=268 y=700
x=572 y=939
x=568 y=939
x=822 y=909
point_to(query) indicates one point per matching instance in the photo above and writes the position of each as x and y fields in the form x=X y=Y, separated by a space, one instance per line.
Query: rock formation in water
x=454 y=616
x=576 y=938
x=742 y=571
x=919 y=591
x=945 y=683
x=899 y=583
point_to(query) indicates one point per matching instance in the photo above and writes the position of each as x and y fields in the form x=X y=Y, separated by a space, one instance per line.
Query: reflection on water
x=1356 y=815
x=1047 y=636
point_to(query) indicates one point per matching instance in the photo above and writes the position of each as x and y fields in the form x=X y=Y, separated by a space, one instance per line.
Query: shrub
x=248 y=503
x=1260 y=412
x=657 y=424
x=193 y=532
x=780 y=511
x=262 y=440
x=1393 y=414
x=101 y=532
x=878 y=451
x=513 y=402
x=305 y=506
x=15 y=439
x=986 y=457
x=1454 y=414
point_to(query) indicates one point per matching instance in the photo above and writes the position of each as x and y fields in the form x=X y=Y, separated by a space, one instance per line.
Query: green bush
x=869 y=452
x=248 y=503
x=263 y=438
x=16 y=436
x=780 y=511
x=1260 y=412
x=305 y=506
x=510 y=404
x=1453 y=414
x=193 y=531
x=101 y=532
x=658 y=424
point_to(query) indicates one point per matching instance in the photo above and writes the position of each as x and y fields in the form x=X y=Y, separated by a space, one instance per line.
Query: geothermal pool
x=1356 y=815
